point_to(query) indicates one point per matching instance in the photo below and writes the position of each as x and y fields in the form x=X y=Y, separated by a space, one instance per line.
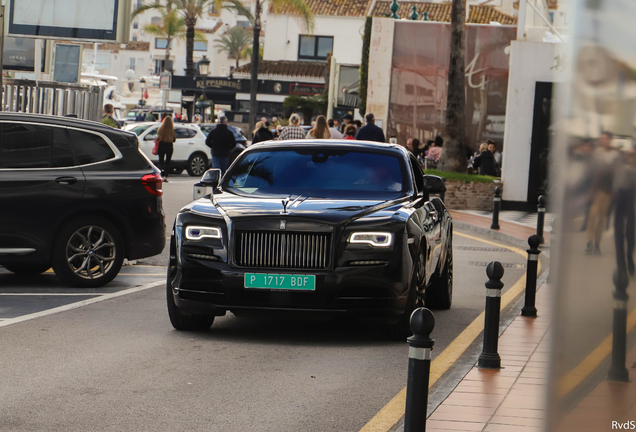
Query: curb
x=494 y=234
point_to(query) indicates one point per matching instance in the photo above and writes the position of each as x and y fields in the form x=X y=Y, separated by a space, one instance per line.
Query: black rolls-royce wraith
x=313 y=226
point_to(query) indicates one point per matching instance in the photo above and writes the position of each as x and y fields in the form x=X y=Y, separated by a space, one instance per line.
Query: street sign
x=165 y=81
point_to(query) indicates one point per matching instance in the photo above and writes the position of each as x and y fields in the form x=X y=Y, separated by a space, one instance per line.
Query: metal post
x=489 y=357
x=529 y=309
x=496 y=207
x=618 y=371
x=420 y=346
x=540 y=218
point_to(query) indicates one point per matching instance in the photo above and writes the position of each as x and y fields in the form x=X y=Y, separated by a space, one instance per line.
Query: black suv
x=77 y=196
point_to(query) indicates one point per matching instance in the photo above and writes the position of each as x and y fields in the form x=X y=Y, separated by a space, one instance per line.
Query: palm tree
x=298 y=8
x=235 y=42
x=453 y=156
x=170 y=28
x=191 y=10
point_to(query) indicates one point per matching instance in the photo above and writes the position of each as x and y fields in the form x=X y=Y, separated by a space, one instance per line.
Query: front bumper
x=365 y=291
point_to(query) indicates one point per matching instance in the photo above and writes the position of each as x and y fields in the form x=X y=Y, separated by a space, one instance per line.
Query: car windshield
x=318 y=172
x=137 y=130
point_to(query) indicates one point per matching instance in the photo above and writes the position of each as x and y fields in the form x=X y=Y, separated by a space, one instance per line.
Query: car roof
x=340 y=143
x=92 y=125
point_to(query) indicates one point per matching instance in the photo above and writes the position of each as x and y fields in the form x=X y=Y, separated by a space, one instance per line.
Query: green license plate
x=280 y=281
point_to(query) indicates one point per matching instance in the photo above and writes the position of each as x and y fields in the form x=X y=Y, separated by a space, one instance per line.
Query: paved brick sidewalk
x=511 y=399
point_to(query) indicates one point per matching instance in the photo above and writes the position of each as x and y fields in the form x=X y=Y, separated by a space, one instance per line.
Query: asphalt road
x=118 y=365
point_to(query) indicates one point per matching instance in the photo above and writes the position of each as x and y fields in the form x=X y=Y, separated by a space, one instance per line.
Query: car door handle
x=66 y=180
x=190 y=143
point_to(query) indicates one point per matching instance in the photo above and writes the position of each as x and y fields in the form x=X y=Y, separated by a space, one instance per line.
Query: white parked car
x=190 y=151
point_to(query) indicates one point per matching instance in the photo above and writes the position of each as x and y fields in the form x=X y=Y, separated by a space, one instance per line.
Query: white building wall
x=530 y=62
x=283 y=31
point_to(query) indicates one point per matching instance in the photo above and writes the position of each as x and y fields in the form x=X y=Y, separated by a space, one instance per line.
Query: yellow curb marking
x=591 y=362
x=394 y=410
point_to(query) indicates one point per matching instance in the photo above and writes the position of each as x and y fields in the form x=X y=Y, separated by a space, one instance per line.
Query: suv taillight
x=153 y=183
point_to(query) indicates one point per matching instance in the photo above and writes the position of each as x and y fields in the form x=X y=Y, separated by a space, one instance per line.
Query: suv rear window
x=90 y=148
x=181 y=132
x=24 y=145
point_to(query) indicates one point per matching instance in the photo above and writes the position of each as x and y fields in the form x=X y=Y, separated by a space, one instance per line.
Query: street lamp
x=142 y=85
x=204 y=66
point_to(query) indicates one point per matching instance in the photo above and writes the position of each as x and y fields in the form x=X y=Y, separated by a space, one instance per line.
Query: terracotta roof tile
x=481 y=14
x=349 y=8
x=286 y=68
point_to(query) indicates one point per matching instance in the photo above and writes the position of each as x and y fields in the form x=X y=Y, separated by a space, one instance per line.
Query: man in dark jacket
x=371 y=132
x=221 y=140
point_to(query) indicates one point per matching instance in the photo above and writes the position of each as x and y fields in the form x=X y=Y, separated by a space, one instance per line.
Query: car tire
x=27 y=269
x=402 y=328
x=88 y=252
x=197 y=164
x=440 y=294
x=178 y=318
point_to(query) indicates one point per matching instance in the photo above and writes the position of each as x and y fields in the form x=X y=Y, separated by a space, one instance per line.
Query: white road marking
x=80 y=304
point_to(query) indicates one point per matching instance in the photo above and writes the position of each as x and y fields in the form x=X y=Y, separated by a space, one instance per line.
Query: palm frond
x=154 y=30
x=298 y=8
x=235 y=6
x=144 y=8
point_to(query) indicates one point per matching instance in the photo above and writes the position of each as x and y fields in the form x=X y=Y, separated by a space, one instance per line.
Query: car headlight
x=379 y=239
x=201 y=232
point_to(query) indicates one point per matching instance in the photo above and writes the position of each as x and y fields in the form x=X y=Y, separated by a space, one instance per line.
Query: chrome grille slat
x=283 y=250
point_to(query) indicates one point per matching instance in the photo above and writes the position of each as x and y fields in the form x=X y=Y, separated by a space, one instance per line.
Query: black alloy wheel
x=27 y=268
x=88 y=252
x=197 y=165
x=180 y=319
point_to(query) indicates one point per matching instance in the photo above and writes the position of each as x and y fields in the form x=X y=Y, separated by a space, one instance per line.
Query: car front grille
x=283 y=250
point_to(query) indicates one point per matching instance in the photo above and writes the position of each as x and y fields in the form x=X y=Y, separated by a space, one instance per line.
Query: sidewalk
x=511 y=399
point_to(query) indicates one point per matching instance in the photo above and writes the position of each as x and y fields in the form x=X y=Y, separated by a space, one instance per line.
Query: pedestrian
x=409 y=144
x=418 y=147
x=435 y=152
x=140 y=117
x=221 y=141
x=166 y=138
x=279 y=130
x=320 y=130
x=350 y=132
x=370 y=132
x=605 y=164
x=485 y=162
x=151 y=117
x=293 y=130
x=358 y=124
x=261 y=133
x=108 y=118
x=346 y=120
x=493 y=149
x=337 y=125
x=335 y=133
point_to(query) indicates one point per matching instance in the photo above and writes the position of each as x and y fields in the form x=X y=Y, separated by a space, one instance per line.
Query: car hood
x=331 y=211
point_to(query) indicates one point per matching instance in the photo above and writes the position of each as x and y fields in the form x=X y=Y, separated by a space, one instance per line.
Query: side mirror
x=435 y=184
x=211 y=178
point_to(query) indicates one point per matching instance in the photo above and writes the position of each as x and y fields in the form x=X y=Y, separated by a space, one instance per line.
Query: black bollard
x=420 y=346
x=540 y=218
x=496 y=208
x=489 y=357
x=529 y=309
x=618 y=371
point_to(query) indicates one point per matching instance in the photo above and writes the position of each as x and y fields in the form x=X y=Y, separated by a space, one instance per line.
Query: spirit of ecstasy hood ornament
x=285 y=204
